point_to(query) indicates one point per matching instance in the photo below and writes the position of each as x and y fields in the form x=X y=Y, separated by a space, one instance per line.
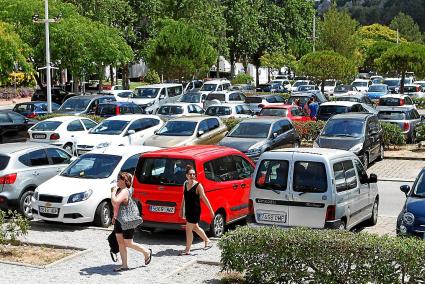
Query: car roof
x=178 y=104
x=361 y=80
x=159 y=85
x=352 y=115
x=64 y=118
x=117 y=103
x=216 y=81
x=381 y=85
x=198 y=152
x=9 y=148
x=124 y=150
x=33 y=103
x=263 y=96
x=395 y=108
x=191 y=118
x=339 y=103
x=411 y=85
x=284 y=106
x=92 y=96
x=224 y=105
x=357 y=96
x=394 y=96
x=130 y=117
x=263 y=119
x=324 y=152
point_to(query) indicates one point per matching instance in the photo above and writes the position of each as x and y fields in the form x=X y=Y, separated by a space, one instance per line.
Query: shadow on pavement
x=107 y=269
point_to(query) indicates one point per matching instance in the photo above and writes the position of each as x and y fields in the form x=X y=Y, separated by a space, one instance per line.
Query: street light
x=46 y=21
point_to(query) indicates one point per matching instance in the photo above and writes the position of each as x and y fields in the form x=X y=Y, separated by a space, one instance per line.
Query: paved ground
x=397 y=170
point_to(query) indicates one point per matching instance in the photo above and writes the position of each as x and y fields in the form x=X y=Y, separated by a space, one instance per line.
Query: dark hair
x=126 y=177
x=188 y=168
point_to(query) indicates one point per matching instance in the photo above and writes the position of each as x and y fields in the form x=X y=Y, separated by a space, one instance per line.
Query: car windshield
x=107 y=109
x=330 y=83
x=302 y=99
x=170 y=110
x=299 y=83
x=392 y=83
x=4 y=160
x=348 y=99
x=209 y=87
x=391 y=115
x=411 y=89
x=377 y=88
x=389 y=102
x=146 y=93
x=110 y=127
x=162 y=171
x=343 y=89
x=274 y=112
x=218 y=110
x=359 y=84
x=46 y=126
x=191 y=98
x=332 y=109
x=75 y=104
x=305 y=88
x=92 y=166
x=419 y=189
x=251 y=130
x=343 y=128
x=178 y=128
x=219 y=97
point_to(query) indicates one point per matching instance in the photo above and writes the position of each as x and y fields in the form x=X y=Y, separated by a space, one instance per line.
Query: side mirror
x=26 y=120
x=274 y=135
x=373 y=178
x=162 y=97
x=155 y=132
x=422 y=118
x=131 y=132
x=200 y=133
x=405 y=189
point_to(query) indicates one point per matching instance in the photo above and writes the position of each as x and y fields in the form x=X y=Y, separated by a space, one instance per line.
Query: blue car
x=33 y=109
x=375 y=92
x=411 y=220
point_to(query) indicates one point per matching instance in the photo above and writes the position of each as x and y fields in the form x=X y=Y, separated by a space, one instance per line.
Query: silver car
x=407 y=118
x=23 y=167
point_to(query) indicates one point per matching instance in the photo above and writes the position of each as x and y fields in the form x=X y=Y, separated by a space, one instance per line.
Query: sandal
x=118 y=269
x=147 y=261
x=208 y=246
x=183 y=253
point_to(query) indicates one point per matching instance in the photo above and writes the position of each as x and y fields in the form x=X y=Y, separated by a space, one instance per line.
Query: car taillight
x=54 y=136
x=31 y=115
x=117 y=110
x=330 y=213
x=402 y=102
x=418 y=88
x=8 y=179
x=406 y=126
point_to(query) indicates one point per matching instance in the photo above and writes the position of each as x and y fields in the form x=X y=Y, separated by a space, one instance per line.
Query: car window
x=75 y=125
x=361 y=172
x=345 y=176
x=203 y=126
x=17 y=118
x=140 y=124
x=129 y=166
x=221 y=169
x=198 y=109
x=4 y=161
x=243 y=167
x=137 y=109
x=164 y=171
x=285 y=125
x=302 y=181
x=174 y=91
x=92 y=166
x=213 y=123
x=88 y=123
x=4 y=118
x=272 y=175
x=58 y=156
x=276 y=128
x=38 y=158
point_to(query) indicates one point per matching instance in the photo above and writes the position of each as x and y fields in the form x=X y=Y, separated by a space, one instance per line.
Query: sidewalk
x=11 y=103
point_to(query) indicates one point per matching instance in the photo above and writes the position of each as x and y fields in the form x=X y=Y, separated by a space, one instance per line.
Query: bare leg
x=123 y=250
x=130 y=244
x=201 y=233
x=189 y=236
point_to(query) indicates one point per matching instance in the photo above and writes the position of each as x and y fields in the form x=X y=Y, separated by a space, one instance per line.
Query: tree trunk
x=218 y=67
x=403 y=75
x=75 y=83
x=257 y=74
x=232 y=65
x=38 y=80
x=268 y=74
x=322 y=88
x=125 y=76
x=111 y=74
x=101 y=70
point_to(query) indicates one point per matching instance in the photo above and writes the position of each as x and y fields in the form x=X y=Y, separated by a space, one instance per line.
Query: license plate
x=162 y=209
x=275 y=218
x=39 y=136
x=49 y=210
x=81 y=152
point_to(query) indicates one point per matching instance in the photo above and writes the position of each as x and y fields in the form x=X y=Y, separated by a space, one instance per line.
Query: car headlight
x=78 y=197
x=103 y=145
x=255 y=150
x=408 y=218
x=357 y=148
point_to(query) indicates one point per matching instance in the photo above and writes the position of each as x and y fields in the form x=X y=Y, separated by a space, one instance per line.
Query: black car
x=84 y=104
x=58 y=95
x=118 y=108
x=329 y=109
x=359 y=133
x=14 y=126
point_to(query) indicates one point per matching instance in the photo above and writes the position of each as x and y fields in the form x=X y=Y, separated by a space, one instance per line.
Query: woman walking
x=126 y=219
x=193 y=192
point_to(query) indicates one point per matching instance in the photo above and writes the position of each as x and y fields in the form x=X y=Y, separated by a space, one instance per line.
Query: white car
x=346 y=90
x=169 y=111
x=362 y=85
x=120 y=95
x=194 y=98
x=81 y=193
x=121 y=130
x=330 y=86
x=61 y=131
x=230 y=111
x=298 y=83
x=215 y=86
x=396 y=100
x=284 y=82
x=415 y=91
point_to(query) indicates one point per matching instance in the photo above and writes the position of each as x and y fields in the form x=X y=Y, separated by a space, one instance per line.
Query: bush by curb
x=95 y=118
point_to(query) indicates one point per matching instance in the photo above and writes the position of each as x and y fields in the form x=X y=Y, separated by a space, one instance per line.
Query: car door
x=76 y=129
x=275 y=135
x=216 y=133
x=376 y=139
x=361 y=204
x=204 y=135
x=58 y=159
x=41 y=167
x=19 y=127
x=141 y=129
x=244 y=169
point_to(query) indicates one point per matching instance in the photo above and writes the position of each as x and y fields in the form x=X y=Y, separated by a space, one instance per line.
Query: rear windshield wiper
x=270 y=187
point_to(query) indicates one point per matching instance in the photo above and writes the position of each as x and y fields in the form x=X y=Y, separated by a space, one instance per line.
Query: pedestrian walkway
x=397 y=170
x=386 y=226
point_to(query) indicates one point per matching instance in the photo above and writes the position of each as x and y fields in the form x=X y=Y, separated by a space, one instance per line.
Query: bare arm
x=204 y=198
x=117 y=199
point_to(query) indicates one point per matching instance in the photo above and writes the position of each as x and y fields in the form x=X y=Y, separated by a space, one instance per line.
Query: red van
x=224 y=172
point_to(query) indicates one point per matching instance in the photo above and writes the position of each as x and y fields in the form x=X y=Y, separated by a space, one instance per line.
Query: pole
x=397 y=37
x=314 y=33
x=48 y=79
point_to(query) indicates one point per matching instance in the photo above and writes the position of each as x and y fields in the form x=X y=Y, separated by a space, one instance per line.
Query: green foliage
x=299 y=255
x=152 y=77
x=392 y=135
x=309 y=130
x=420 y=132
x=242 y=78
x=231 y=122
x=277 y=60
x=377 y=32
x=375 y=51
x=407 y=27
x=11 y=229
x=95 y=118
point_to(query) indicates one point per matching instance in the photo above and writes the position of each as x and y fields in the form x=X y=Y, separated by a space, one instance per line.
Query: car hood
x=416 y=206
x=69 y=186
x=96 y=139
x=241 y=144
x=341 y=143
x=142 y=101
x=168 y=141
x=372 y=95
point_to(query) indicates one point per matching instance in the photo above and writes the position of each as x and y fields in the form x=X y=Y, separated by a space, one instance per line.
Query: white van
x=218 y=85
x=315 y=188
x=151 y=97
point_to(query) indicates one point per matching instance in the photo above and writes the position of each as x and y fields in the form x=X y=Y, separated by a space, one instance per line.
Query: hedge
x=96 y=118
x=299 y=255
x=309 y=130
x=392 y=135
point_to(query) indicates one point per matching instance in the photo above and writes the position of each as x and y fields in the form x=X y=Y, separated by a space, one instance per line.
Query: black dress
x=192 y=204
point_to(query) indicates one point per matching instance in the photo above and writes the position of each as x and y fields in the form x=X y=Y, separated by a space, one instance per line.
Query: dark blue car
x=33 y=109
x=411 y=220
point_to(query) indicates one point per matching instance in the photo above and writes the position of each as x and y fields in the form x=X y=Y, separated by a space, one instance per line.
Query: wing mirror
x=405 y=189
x=161 y=97
x=274 y=135
x=373 y=178
x=131 y=132
x=200 y=133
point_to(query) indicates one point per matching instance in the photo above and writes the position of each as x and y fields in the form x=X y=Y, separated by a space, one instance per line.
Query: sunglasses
x=191 y=174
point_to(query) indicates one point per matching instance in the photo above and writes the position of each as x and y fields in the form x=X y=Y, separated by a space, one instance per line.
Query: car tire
x=68 y=147
x=365 y=160
x=25 y=204
x=217 y=226
x=342 y=226
x=381 y=153
x=102 y=217
x=374 y=218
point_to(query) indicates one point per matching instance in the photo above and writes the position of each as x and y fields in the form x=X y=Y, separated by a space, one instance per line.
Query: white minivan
x=315 y=188
x=151 y=97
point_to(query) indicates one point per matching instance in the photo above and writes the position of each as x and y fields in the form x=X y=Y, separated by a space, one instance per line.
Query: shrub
x=95 y=118
x=392 y=135
x=420 y=132
x=273 y=255
x=419 y=102
x=231 y=122
x=309 y=130
x=242 y=78
x=10 y=94
x=152 y=77
x=16 y=226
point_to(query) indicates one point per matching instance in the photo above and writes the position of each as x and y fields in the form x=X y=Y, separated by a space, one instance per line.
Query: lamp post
x=46 y=21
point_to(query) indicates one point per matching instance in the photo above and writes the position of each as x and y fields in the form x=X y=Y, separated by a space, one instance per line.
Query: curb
x=396 y=179
x=405 y=158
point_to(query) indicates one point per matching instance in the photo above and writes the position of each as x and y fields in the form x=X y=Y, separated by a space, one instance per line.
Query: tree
x=277 y=60
x=375 y=51
x=407 y=27
x=403 y=58
x=180 y=50
x=378 y=32
x=325 y=65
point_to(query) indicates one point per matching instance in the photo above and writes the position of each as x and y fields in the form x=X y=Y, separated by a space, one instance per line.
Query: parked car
x=194 y=98
x=306 y=88
x=117 y=108
x=230 y=97
x=169 y=111
x=225 y=174
x=244 y=88
x=61 y=131
x=23 y=167
x=270 y=88
x=84 y=104
x=298 y=83
x=192 y=86
x=304 y=97
x=119 y=95
x=315 y=188
x=362 y=85
x=292 y=112
x=84 y=194
x=396 y=100
x=255 y=136
x=58 y=95
x=330 y=86
x=14 y=126
x=219 y=85
x=421 y=83
x=122 y=130
x=345 y=90
x=407 y=118
x=285 y=83
x=411 y=220
x=256 y=103
x=393 y=84
x=356 y=98
x=375 y=92
x=328 y=109
x=33 y=109
x=359 y=133
x=151 y=97
x=229 y=111
x=377 y=79
x=415 y=91
x=196 y=130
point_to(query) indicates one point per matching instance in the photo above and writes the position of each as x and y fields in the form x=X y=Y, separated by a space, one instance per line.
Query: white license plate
x=275 y=218
x=48 y=210
x=162 y=209
x=39 y=136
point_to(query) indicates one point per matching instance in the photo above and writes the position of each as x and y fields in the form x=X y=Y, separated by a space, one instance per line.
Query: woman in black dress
x=193 y=192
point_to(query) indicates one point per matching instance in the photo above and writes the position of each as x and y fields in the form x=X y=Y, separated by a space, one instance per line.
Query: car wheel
x=68 y=147
x=102 y=218
x=217 y=226
x=365 y=160
x=342 y=226
x=374 y=218
x=381 y=153
x=25 y=204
